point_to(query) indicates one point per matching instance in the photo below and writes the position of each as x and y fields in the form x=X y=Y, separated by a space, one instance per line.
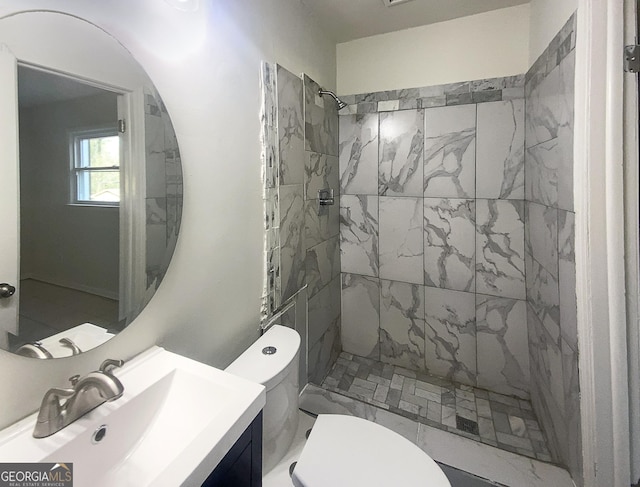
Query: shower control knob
x=7 y=290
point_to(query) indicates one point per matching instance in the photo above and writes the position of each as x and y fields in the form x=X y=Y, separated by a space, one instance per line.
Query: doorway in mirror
x=70 y=153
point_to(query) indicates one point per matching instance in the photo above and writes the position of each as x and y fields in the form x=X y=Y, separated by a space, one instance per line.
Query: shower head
x=340 y=103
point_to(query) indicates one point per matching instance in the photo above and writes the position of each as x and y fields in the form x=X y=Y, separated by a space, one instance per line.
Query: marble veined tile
x=321 y=172
x=541 y=165
x=291 y=239
x=567 y=71
x=491 y=463
x=550 y=104
x=361 y=315
x=400 y=153
x=449 y=243
x=500 y=150
x=323 y=310
x=564 y=174
x=269 y=93
x=156 y=211
x=290 y=126
x=450 y=152
x=323 y=354
x=389 y=106
x=565 y=133
x=572 y=456
x=321 y=223
x=543 y=296
x=359 y=234
x=376 y=96
x=541 y=235
x=503 y=347
x=543 y=115
x=268 y=123
x=567 y=278
x=359 y=154
x=450 y=334
x=402 y=324
x=321 y=120
x=272 y=212
x=500 y=248
x=273 y=282
x=401 y=239
x=547 y=385
x=155 y=170
x=431 y=91
x=320 y=401
x=322 y=264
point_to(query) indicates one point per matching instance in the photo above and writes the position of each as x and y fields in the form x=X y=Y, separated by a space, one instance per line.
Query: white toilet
x=278 y=373
x=341 y=450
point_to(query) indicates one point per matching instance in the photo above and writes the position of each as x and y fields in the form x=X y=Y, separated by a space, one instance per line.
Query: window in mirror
x=95 y=173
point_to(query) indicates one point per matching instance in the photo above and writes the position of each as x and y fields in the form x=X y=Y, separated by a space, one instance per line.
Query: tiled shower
x=444 y=233
x=300 y=140
x=456 y=269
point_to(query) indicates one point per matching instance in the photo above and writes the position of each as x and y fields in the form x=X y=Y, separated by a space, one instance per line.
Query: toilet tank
x=272 y=361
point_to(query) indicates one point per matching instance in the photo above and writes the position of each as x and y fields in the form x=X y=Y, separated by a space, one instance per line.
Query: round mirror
x=91 y=184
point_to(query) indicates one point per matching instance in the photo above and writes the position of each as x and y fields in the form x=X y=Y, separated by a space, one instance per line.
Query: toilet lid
x=348 y=451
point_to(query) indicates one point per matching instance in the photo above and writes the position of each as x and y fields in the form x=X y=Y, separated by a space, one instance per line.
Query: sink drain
x=269 y=350
x=99 y=434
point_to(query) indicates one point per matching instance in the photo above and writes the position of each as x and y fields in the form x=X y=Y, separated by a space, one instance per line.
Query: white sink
x=175 y=421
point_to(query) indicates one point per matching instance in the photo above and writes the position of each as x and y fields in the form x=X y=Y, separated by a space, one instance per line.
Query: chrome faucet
x=68 y=342
x=61 y=407
x=34 y=350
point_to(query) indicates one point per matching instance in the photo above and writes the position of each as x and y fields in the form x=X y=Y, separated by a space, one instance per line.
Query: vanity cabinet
x=242 y=465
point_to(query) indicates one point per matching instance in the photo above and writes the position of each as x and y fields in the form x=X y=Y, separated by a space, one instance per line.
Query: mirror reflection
x=69 y=206
x=100 y=201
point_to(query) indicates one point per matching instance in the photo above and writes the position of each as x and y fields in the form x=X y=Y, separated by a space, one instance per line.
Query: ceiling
x=346 y=20
x=37 y=87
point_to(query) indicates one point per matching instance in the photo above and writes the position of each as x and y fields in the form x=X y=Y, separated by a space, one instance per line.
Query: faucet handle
x=109 y=364
x=68 y=342
x=74 y=379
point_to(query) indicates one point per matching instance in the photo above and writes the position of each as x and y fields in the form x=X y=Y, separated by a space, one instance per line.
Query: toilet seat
x=349 y=451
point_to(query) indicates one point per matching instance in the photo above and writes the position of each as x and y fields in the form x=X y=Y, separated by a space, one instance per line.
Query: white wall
x=205 y=65
x=547 y=18
x=486 y=45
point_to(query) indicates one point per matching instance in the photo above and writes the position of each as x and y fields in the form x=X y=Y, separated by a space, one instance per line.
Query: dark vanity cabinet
x=242 y=465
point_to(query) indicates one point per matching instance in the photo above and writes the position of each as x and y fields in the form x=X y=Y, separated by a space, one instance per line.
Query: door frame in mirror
x=132 y=206
x=10 y=243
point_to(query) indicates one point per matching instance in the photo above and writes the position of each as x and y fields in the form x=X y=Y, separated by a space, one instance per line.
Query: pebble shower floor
x=494 y=419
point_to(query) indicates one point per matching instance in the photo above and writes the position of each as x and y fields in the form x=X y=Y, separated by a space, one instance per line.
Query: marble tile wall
x=450 y=152
x=400 y=151
x=163 y=174
x=322 y=230
x=291 y=175
x=272 y=290
x=432 y=231
x=463 y=93
x=549 y=248
x=300 y=157
x=483 y=291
